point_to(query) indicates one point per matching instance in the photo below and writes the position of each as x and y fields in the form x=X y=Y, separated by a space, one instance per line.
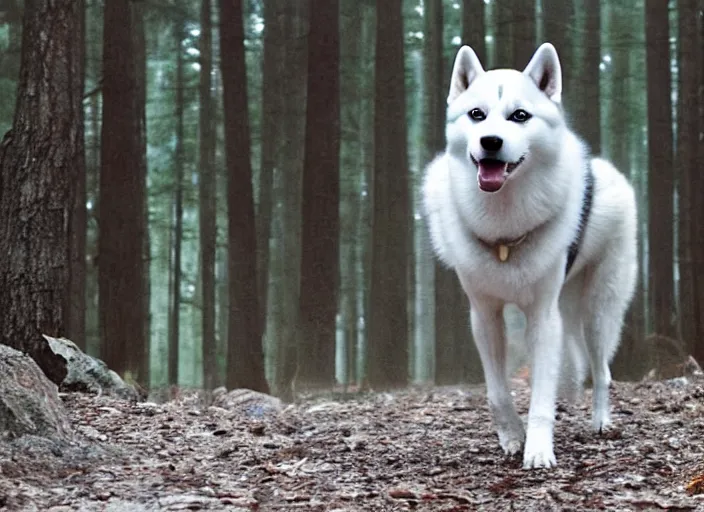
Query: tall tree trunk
x=558 y=28
x=208 y=229
x=474 y=34
x=691 y=299
x=76 y=314
x=503 y=28
x=698 y=214
x=93 y=168
x=221 y=250
x=140 y=62
x=351 y=171
x=474 y=28
x=448 y=363
x=660 y=162
x=320 y=223
x=587 y=91
x=223 y=312
x=364 y=221
x=121 y=275
x=177 y=237
x=245 y=358
x=272 y=104
x=388 y=315
x=523 y=32
x=284 y=297
x=41 y=159
x=619 y=123
x=92 y=135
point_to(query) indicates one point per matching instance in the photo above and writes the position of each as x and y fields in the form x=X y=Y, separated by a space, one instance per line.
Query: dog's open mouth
x=492 y=173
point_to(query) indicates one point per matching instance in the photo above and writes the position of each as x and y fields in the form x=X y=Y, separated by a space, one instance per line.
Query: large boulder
x=89 y=374
x=29 y=401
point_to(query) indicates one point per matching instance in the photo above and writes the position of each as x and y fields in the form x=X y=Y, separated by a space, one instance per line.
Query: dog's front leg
x=544 y=333
x=490 y=338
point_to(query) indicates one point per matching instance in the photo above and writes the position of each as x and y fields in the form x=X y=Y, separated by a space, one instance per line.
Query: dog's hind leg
x=600 y=329
x=490 y=338
x=607 y=295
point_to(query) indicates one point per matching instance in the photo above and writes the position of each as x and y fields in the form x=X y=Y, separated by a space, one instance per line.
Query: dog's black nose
x=491 y=142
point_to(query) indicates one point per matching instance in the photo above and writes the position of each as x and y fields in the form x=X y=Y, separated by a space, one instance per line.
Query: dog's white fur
x=571 y=320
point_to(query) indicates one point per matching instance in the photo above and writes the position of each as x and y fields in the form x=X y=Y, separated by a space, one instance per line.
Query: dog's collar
x=502 y=247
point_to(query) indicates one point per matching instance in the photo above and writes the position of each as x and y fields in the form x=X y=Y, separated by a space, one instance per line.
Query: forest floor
x=420 y=449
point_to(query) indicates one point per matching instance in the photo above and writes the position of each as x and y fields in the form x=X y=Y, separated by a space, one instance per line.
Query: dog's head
x=504 y=121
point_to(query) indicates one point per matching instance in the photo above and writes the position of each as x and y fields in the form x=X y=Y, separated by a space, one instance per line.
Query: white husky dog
x=520 y=211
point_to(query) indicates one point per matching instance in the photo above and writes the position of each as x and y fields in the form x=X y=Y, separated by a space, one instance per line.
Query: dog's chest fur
x=466 y=228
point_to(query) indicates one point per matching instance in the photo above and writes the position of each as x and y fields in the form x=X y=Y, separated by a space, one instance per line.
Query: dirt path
x=426 y=450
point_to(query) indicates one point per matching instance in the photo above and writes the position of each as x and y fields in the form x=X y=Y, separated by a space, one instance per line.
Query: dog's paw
x=539 y=459
x=512 y=439
x=539 y=453
x=601 y=422
x=512 y=447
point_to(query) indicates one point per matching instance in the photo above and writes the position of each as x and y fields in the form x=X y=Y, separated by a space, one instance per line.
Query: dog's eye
x=519 y=116
x=477 y=115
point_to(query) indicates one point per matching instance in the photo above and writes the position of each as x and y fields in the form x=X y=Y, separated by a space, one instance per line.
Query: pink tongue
x=491 y=175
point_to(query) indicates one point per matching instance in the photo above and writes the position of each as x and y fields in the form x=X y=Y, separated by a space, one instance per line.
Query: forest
x=219 y=202
x=206 y=195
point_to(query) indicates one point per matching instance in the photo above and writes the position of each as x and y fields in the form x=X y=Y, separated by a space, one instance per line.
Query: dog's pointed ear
x=544 y=69
x=467 y=67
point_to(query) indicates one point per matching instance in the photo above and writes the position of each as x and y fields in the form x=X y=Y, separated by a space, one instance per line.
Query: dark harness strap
x=583 y=219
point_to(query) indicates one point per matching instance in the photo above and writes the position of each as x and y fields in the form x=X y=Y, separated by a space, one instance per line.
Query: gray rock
x=252 y=403
x=87 y=373
x=29 y=401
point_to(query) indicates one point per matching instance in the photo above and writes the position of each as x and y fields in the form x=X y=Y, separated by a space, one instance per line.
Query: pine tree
x=41 y=160
x=245 y=358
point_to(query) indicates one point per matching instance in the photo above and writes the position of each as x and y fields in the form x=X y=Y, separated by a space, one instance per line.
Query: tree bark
x=660 y=161
x=208 y=228
x=320 y=223
x=121 y=272
x=698 y=349
x=691 y=241
x=388 y=315
x=245 y=358
x=41 y=159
